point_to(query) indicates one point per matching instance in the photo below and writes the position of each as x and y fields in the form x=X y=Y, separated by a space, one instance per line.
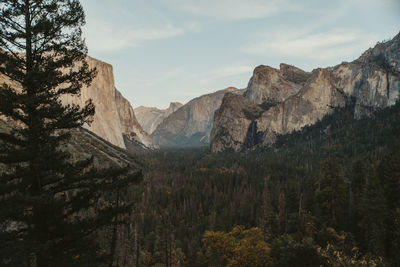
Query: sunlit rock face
x=114 y=118
x=291 y=99
x=191 y=124
x=106 y=123
x=269 y=84
x=113 y=112
x=150 y=117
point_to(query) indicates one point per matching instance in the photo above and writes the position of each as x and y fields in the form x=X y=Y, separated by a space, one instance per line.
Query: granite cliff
x=191 y=124
x=280 y=101
x=132 y=131
x=150 y=117
x=114 y=117
x=269 y=84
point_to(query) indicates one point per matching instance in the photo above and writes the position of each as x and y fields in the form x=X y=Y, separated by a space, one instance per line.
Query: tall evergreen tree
x=389 y=176
x=49 y=205
x=331 y=191
x=374 y=211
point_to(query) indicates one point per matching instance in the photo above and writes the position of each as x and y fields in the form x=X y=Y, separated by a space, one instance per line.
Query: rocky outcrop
x=191 y=124
x=132 y=131
x=110 y=121
x=269 y=84
x=232 y=122
x=150 y=117
x=370 y=82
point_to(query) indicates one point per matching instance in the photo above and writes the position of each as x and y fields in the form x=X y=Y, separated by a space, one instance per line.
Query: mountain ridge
x=150 y=117
x=372 y=80
x=191 y=124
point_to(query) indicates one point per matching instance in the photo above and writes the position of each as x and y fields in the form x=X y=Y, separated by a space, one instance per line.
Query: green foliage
x=276 y=190
x=51 y=206
x=340 y=251
x=253 y=112
x=287 y=251
x=239 y=248
x=331 y=192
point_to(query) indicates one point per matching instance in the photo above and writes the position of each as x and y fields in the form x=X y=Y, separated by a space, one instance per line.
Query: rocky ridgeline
x=191 y=124
x=114 y=119
x=280 y=101
x=150 y=117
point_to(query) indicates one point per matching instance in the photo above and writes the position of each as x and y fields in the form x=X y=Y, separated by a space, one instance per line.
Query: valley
x=296 y=167
x=312 y=193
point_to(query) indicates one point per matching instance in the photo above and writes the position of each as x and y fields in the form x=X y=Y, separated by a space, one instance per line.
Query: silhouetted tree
x=49 y=205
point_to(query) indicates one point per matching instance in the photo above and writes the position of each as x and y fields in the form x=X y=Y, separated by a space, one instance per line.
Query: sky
x=164 y=51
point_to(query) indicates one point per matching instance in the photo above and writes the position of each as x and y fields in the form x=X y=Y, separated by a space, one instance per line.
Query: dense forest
x=326 y=195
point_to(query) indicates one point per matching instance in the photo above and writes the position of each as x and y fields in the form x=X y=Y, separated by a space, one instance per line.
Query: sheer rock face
x=372 y=82
x=110 y=119
x=131 y=129
x=231 y=123
x=150 y=117
x=191 y=124
x=106 y=123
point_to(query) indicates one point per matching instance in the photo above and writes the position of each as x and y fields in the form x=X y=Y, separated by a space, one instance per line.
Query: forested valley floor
x=326 y=195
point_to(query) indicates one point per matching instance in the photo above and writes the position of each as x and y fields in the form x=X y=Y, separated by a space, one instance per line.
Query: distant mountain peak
x=191 y=124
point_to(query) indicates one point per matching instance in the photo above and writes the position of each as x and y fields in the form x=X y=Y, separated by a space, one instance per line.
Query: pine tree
x=357 y=177
x=49 y=205
x=374 y=212
x=389 y=176
x=331 y=191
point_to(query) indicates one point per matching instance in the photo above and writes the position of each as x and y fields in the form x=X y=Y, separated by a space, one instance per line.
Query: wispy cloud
x=233 y=71
x=189 y=84
x=185 y=74
x=334 y=44
x=106 y=37
x=234 y=9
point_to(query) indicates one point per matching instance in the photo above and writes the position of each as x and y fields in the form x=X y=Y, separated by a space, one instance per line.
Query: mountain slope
x=84 y=144
x=150 y=117
x=191 y=124
x=372 y=81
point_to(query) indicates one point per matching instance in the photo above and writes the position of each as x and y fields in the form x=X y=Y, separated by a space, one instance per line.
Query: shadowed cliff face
x=131 y=129
x=110 y=119
x=150 y=117
x=191 y=124
x=233 y=120
x=373 y=81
